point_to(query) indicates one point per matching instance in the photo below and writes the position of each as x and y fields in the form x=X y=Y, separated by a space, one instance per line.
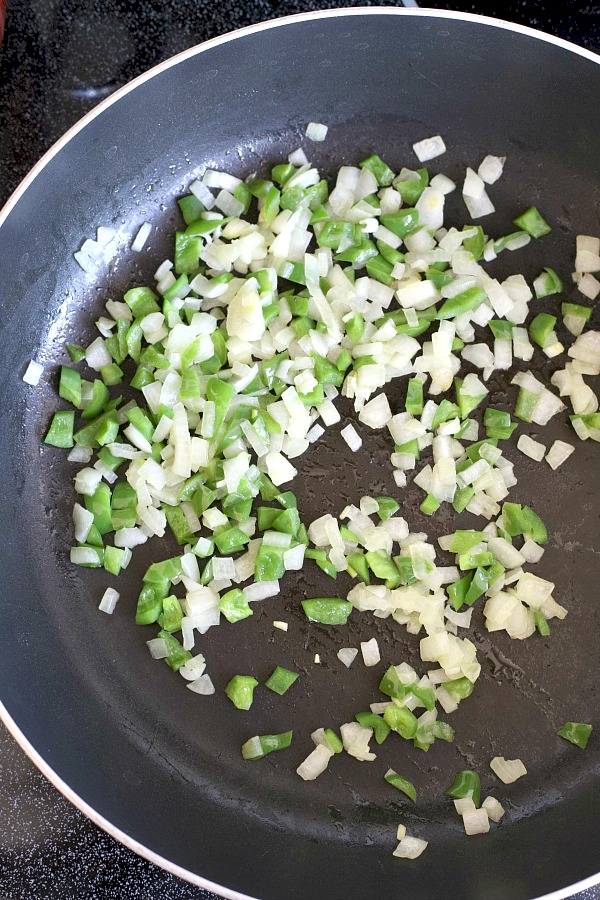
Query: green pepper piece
x=402 y=222
x=191 y=208
x=380 y=727
x=187 y=253
x=165 y=571
x=230 y=540
x=332 y=233
x=404 y=566
x=391 y=685
x=327 y=610
x=466 y=784
x=326 y=372
x=429 y=505
x=269 y=565
x=60 y=432
x=358 y=564
x=379 y=169
x=178 y=524
x=532 y=222
x=172 y=614
x=288 y=522
x=462 y=498
x=462 y=303
x=281 y=680
x=541 y=623
x=69 y=387
x=258 y=746
x=475 y=244
x=98 y=504
x=234 y=605
x=149 y=604
x=76 y=352
x=410 y=189
x=322 y=560
x=459 y=688
x=519 y=519
x=221 y=394
x=541 y=328
x=403 y=784
x=380 y=269
x=177 y=655
x=458 y=590
x=141 y=301
x=355 y=327
x=113 y=559
x=445 y=411
x=401 y=720
x=577 y=733
x=100 y=396
x=240 y=691
x=383 y=567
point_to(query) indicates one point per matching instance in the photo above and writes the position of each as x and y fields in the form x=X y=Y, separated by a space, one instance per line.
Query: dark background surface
x=60 y=58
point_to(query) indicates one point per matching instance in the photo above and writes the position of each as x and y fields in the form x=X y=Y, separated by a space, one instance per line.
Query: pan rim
x=61 y=785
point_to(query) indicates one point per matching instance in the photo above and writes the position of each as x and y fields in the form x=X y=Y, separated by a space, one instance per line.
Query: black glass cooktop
x=54 y=67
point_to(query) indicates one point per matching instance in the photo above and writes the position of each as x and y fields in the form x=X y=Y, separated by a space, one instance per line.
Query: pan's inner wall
x=158 y=762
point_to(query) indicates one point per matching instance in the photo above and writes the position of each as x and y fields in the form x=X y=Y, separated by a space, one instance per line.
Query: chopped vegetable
x=403 y=784
x=410 y=848
x=281 y=680
x=258 y=746
x=466 y=785
x=576 y=732
x=327 y=610
x=507 y=770
x=240 y=690
x=532 y=222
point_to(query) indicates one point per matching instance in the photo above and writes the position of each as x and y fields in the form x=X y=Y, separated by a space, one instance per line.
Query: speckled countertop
x=53 y=69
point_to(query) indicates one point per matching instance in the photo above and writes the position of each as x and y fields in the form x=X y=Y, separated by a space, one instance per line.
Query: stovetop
x=54 y=67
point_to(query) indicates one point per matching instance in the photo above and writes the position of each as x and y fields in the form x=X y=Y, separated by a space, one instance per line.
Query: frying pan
x=153 y=764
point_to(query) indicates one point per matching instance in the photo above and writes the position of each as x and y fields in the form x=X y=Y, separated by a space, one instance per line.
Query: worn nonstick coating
x=156 y=761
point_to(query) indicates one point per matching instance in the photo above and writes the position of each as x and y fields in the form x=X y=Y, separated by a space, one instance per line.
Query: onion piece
x=109 y=601
x=559 y=452
x=410 y=848
x=476 y=821
x=141 y=237
x=507 y=770
x=370 y=652
x=429 y=148
x=315 y=131
x=347 y=655
x=33 y=373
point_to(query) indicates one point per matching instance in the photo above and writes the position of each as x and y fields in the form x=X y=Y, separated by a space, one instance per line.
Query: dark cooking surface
x=55 y=68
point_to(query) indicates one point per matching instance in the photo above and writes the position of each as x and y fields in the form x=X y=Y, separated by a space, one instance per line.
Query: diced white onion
x=507 y=770
x=559 y=452
x=490 y=169
x=141 y=237
x=315 y=763
x=109 y=601
x=476 y=821
x=260 y=590
x=494 y=808
x=410 y=848
x=429 y=148
x=202 y=685
x=158 y=648
x=351 y=437
x=315 y=131
x=532 y=449
x=33 y=373
x=347 y=655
